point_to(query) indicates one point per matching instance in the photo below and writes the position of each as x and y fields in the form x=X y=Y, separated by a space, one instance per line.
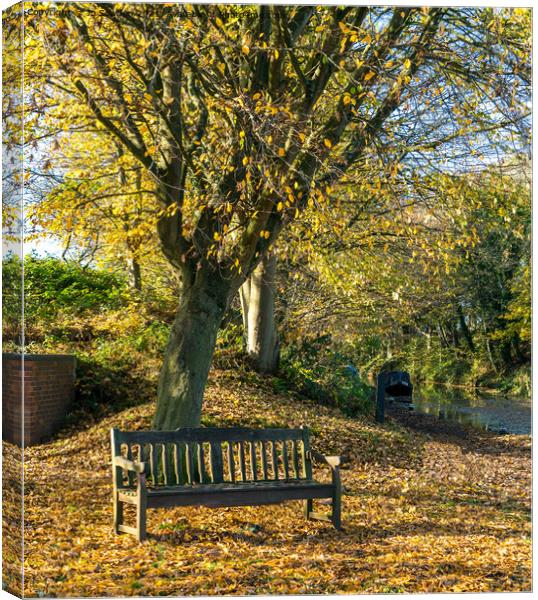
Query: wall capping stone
x=15 y=356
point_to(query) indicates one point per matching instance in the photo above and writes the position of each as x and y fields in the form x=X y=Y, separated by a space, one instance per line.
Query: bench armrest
x=332 y=461
x=129 y=465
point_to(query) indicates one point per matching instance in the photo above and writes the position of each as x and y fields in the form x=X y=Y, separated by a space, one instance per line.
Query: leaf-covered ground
x=422 y=512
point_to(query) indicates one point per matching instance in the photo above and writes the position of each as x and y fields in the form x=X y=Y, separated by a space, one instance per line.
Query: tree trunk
x=488 y=348
x=452 y=328
x=244 y=297
x=189 y=351
x=517 y=348
x=135 y=274
x=258 y=298
x=465 y=329
x=442 y=335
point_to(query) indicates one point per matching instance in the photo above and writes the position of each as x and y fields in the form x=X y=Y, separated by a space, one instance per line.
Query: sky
x=42 y=247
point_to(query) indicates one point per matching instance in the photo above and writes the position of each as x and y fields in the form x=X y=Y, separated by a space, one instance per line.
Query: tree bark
x=465 y=329
x=135 y=274
x=244 y=297
x=258 y=307
x=442 y=335
x=488 y=348
x=453 y=330
x=189 y=351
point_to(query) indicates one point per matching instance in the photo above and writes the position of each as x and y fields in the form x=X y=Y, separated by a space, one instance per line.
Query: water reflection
x=486 y=411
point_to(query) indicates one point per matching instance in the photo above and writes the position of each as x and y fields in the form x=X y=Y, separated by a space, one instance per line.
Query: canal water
x=492 y=412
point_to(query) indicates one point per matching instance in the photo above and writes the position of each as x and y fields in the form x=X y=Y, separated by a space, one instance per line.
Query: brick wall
x=48 y=390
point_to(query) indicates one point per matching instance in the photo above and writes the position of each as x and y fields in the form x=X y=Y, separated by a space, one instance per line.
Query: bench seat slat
x=227 y=486
x=237 y=495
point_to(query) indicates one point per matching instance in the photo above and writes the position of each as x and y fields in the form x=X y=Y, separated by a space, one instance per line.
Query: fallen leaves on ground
x=421 y=513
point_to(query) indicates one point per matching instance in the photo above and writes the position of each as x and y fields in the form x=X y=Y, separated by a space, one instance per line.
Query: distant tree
x=452 y=262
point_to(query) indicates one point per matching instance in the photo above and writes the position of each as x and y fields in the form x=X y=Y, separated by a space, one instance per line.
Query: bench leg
x=141 y=507
x=118 y=514
x=337 y=508
x=309 y=506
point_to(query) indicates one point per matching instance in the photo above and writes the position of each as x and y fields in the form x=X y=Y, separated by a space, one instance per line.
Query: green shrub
x=316 y=370
x=11 y=289
x=229 y=346
x=152 y=338
x=53 y=286
x=518 y=383
x=230 y=338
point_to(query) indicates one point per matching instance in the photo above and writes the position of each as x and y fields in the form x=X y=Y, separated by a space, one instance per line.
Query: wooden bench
x=217 y=467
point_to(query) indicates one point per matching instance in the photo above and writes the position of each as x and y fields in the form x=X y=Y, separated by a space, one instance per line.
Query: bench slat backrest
x=214 y=455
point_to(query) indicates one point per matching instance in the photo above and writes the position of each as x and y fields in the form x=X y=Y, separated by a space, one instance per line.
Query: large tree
x=243 y=116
